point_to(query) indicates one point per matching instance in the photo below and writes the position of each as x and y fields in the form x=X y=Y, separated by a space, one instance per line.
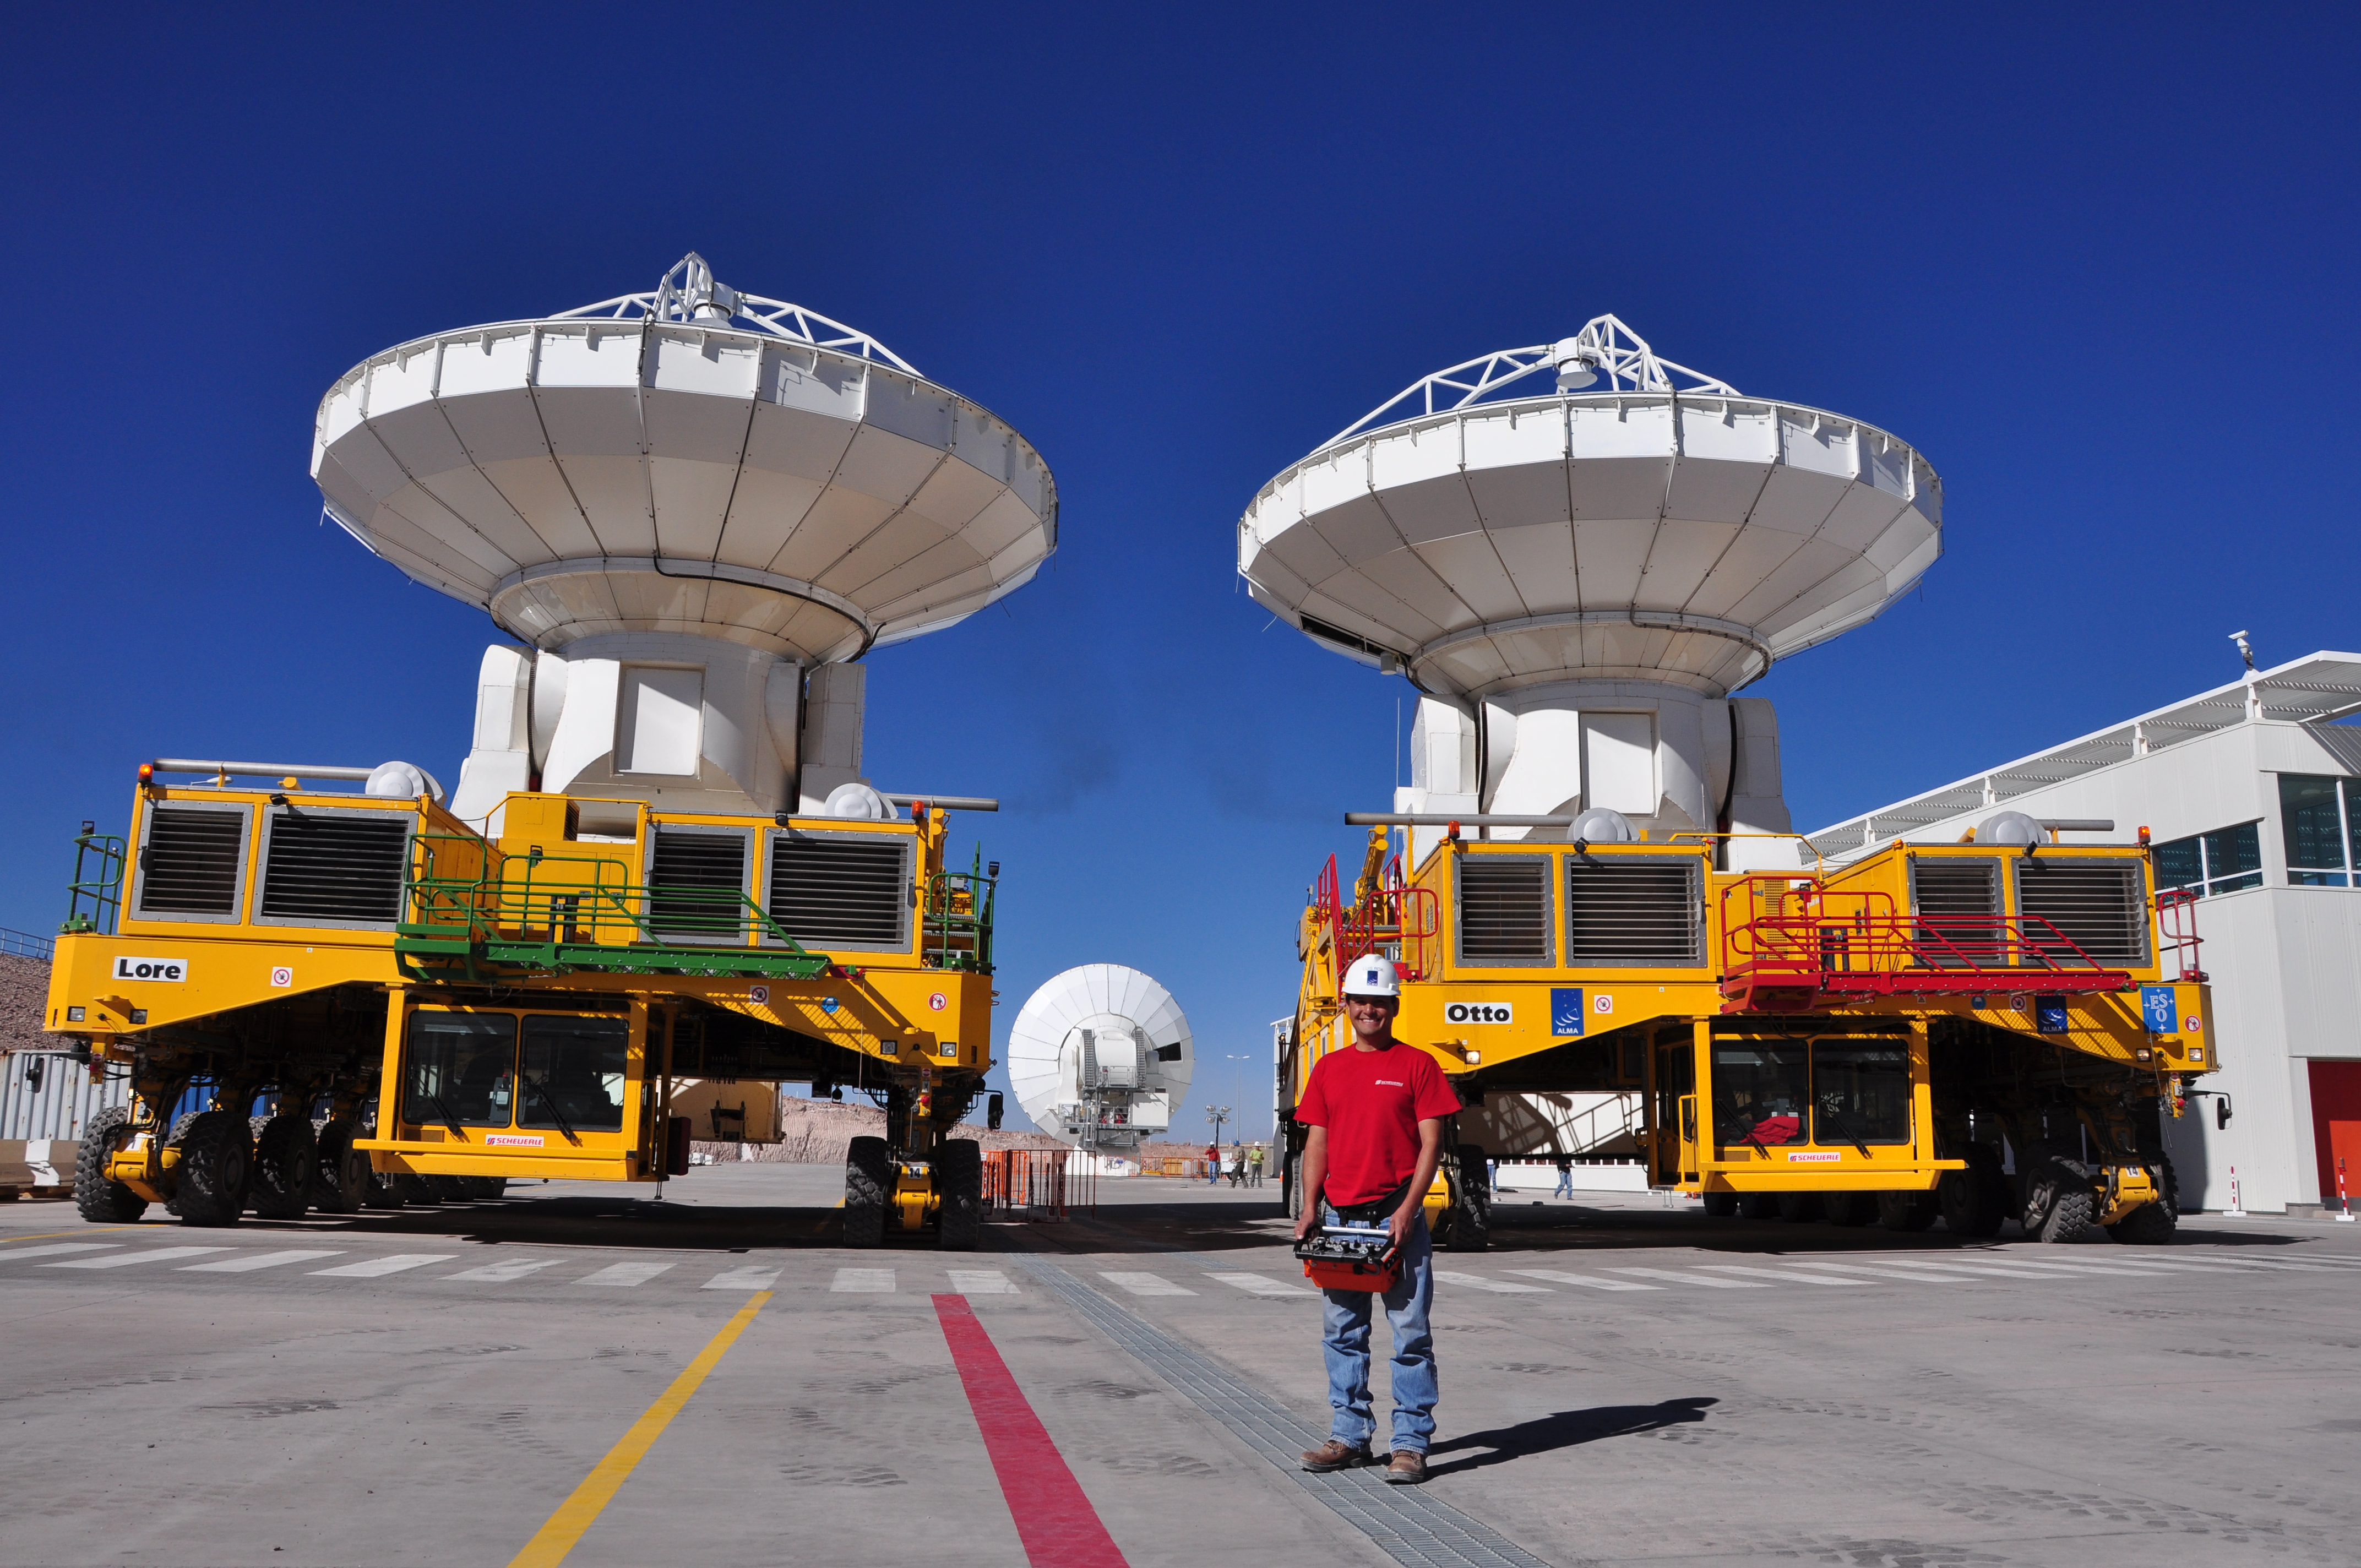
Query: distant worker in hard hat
x=1374 y=1114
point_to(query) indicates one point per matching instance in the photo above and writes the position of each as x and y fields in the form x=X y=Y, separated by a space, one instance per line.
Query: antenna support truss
x=689 y=294
x=1605 y=349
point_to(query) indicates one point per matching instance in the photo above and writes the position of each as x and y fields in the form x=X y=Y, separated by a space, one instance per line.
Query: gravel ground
x=24 y=988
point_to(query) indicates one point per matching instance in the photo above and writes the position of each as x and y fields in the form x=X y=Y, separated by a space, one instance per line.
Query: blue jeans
x=1345 y=1342
x=1565 y=1185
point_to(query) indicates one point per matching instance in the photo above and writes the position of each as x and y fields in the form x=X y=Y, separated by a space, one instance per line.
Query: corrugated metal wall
x=51 y=1096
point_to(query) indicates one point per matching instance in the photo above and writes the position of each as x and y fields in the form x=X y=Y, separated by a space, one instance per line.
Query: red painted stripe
x=1055 y=1521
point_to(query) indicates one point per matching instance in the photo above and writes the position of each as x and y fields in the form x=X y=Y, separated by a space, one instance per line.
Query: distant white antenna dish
x=1100 y=1056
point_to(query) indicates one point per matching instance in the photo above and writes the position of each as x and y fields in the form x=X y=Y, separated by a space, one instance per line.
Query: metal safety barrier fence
x=1039 y=1184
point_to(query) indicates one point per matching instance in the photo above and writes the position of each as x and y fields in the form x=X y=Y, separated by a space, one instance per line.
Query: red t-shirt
x=1371 y=1102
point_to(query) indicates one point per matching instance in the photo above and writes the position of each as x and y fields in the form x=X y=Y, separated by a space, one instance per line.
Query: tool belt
x=1358 y=1255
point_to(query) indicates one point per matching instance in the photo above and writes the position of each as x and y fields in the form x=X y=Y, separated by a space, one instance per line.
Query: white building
x=2251 y=794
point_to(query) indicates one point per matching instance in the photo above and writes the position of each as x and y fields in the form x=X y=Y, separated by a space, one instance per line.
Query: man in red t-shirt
x=1376 y=1113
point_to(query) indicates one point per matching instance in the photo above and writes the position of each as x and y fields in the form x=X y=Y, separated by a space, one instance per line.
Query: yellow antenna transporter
x=662 y=884
x=1611 y=938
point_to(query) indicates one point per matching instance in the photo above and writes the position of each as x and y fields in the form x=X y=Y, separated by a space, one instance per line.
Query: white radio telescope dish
x=1099 y=1056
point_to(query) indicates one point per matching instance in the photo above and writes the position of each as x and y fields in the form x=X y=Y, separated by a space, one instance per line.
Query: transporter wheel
x=284 y=1154
x=1801 y=1208
x=216 y=1158
x=1849 y=1209
x=484 y=1188
x=96 y=1199
x=418 y=1190
x=1721 y=1205
x=383 y=1191
x=1758 y=1205
x=1471 y=1202
x=2059 y=1202
x=340 y=1173
x=1975 y=1201
x=1290 y=1185
x=451 y=1188
x=1906 y=1211
x=959 y=1172
x=2152 y=1224
x=868 y=1178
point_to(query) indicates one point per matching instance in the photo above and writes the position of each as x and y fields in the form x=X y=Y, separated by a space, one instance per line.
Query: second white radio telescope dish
x=1100 y=1056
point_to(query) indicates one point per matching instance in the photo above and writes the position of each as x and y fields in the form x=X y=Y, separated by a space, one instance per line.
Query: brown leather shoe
x=1405 y=1468
x=1336 y=1454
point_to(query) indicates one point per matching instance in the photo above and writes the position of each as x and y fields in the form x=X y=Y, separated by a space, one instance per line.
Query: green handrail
x=94 y=902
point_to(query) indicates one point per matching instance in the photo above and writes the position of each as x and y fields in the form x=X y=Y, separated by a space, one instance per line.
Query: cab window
x=1759 y=1093
x=573 y=1073
x=462 y=1070
x=1860 y=1093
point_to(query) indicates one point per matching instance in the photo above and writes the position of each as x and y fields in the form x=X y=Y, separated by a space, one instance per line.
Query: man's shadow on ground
x=1567 y=1428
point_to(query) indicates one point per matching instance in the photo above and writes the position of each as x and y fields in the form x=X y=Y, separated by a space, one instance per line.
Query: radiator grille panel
x=1617 y=912
x=840 y=893
x=334 y=867
x=2096 y=904
x=192 y=862
x=1504 y=909
x=1957 y=900
x=696 y=882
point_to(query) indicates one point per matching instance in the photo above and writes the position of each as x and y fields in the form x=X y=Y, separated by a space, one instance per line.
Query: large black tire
x=418 y=1191
x=216 y=1159
x=868 y=1180
x=384 y=1190
x=1849 y=1209
x=1290 y=1185
x=172 y=1141
x=2153 y=1224
x=483 y=1188
x=1906 y=1211
x=1721 y=1205
x=284 y=1154
x=1758 y=1205
x=452 y=1189
x=2059 y=1201
x=1801 y=1208
x=1975 y=1201
x=340 y=1173
x=1470 y=1229
x=97 y=1200
x=959 y=1175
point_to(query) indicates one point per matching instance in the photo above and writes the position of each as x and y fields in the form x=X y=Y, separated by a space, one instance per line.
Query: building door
x=2336 y=1127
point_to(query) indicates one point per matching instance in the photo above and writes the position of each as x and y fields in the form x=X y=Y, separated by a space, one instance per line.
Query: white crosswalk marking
x=879 y=1281
x=981 y=1282
x=1498 y=1287
x=378 y=1267
x=1146 y=1285
x=1259 y=1285
x=54 y=1248
x=501 y=1273
x=1792 y=1276
x=1908 y=1276
x=743 y=1279
x=1555 y=1277
x=2147 y=1265
x=2011 y=1268
x=622 y=1274
x=145 y=1254
x=1705 y=1279
x=2274 y=1264
x=255 y=1260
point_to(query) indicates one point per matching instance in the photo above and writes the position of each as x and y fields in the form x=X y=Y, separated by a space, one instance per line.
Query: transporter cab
x=428 y=1010
x=1983 y=1031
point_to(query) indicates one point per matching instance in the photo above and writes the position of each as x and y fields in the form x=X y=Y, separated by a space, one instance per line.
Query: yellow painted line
x=85 y=1231
x=577 y=1513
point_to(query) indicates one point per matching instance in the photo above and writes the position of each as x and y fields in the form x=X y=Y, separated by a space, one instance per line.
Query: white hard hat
x=1372 y=974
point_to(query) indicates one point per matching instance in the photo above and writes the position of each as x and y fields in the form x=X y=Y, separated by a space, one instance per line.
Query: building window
x=2223 y=861
x=2321 y=816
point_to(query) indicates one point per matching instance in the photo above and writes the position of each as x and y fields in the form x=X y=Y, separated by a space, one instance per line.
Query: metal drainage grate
x=1409 y=1525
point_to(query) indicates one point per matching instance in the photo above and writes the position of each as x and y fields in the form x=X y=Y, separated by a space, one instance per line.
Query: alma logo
x=173 y=970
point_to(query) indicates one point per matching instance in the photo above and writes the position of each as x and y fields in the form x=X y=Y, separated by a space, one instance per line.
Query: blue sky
x=2094 y=263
